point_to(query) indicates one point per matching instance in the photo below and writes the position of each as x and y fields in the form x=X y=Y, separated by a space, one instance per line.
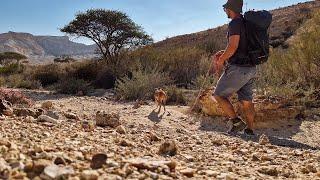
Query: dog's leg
x=159 y=108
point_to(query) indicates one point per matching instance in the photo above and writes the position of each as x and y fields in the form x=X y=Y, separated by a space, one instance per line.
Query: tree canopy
x=112 y=31
x=12 y=56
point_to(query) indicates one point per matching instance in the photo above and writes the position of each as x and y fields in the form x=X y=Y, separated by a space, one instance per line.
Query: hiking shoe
x=248 y=132
x=237 y=125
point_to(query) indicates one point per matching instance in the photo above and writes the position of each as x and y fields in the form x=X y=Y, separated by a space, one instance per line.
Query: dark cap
x=234 y=5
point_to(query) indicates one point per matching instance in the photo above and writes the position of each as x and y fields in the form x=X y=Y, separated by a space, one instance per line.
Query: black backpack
x=257 y=24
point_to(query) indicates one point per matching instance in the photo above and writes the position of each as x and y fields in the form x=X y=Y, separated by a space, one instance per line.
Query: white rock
x=53 y=171
x=53 y=114
x=45 y=118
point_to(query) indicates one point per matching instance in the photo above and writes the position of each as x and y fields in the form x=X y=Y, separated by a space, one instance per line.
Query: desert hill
x=286 y=21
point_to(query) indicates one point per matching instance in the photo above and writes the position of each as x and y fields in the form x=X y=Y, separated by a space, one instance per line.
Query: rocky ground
x=136 y=142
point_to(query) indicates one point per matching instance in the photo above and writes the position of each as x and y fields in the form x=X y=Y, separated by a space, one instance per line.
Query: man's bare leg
x=248 y=110
x=226 y=106
x=237 y=123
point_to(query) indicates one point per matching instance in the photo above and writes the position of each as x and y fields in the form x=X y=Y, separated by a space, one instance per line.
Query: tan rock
x=24 y=112
x=104 y=119
x=154 y=137
x=121 y=130
x=47 y=105
x=152 y=165
x=70 y=115
x=87 y=126
x=89 y=175
x=188 y=172
x=168 y=147
x=269 y=170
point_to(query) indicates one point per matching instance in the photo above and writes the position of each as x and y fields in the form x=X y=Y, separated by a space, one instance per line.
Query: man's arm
x=231 y=48
x=229 y=52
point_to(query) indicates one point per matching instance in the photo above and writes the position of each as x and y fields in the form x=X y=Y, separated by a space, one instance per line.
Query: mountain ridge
x=286 y=20
x=34 y=45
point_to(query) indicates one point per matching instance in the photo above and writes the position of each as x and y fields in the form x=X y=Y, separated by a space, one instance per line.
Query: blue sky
x=160 y=19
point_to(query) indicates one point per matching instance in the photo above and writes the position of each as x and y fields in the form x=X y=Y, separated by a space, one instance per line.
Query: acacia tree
x=112 y=31
x=12 y=56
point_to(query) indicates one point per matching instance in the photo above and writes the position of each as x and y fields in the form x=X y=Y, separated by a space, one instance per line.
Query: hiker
x=237 y=77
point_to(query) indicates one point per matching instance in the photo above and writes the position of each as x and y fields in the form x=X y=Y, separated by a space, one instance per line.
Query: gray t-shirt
x=237 y=27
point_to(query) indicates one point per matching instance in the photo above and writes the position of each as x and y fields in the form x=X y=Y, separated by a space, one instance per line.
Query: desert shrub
x=86 y=70
x=2 y=81
x=297 y=68
x=182 y=64
x=73 y=86
x=11 y=68
x=141 y=85
x=15 y=97
x=175 y=96
x=48 y=74
x=203 y=82
x=22 y=81
x=105 y=79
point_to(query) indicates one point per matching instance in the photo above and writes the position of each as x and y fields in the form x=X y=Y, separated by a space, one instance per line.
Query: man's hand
x=219 y=65
x=215 y=58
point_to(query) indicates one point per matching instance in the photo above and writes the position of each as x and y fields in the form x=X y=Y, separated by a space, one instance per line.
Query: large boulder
x=28 y=112
x=104 y=119
x=268 y=109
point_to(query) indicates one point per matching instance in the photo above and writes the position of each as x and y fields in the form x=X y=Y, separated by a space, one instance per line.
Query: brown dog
x=160 y=97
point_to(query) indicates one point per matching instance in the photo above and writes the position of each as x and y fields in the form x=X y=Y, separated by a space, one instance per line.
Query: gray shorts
x=236 y=79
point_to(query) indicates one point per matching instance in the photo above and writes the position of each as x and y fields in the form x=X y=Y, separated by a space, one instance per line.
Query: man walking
x=237 y=77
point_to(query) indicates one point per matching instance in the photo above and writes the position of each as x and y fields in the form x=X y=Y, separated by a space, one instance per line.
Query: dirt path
x=204 y=150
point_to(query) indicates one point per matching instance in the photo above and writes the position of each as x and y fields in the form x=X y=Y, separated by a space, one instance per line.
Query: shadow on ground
x=155 y=116
x=278 y=136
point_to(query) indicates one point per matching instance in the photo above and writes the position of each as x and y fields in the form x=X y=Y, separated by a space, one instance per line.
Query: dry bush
x=73 y=86
x=297 y=68
x=86 y=70
x=22 y=81
x=48 y=74
x=182 y=64
x=12 y=68
x=175 y=96
x=141 y=85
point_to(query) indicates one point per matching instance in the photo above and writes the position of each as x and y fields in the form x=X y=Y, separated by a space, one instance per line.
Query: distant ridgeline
x=30 y=45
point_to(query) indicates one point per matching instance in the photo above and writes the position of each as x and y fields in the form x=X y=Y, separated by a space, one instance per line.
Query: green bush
x=175 y=96
x=48 y=74
x=182 y=64
x=86 y=70
x=22 y=81
x=297 y=68
x=141 y=86
x=73 y=86
x=11 y=68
